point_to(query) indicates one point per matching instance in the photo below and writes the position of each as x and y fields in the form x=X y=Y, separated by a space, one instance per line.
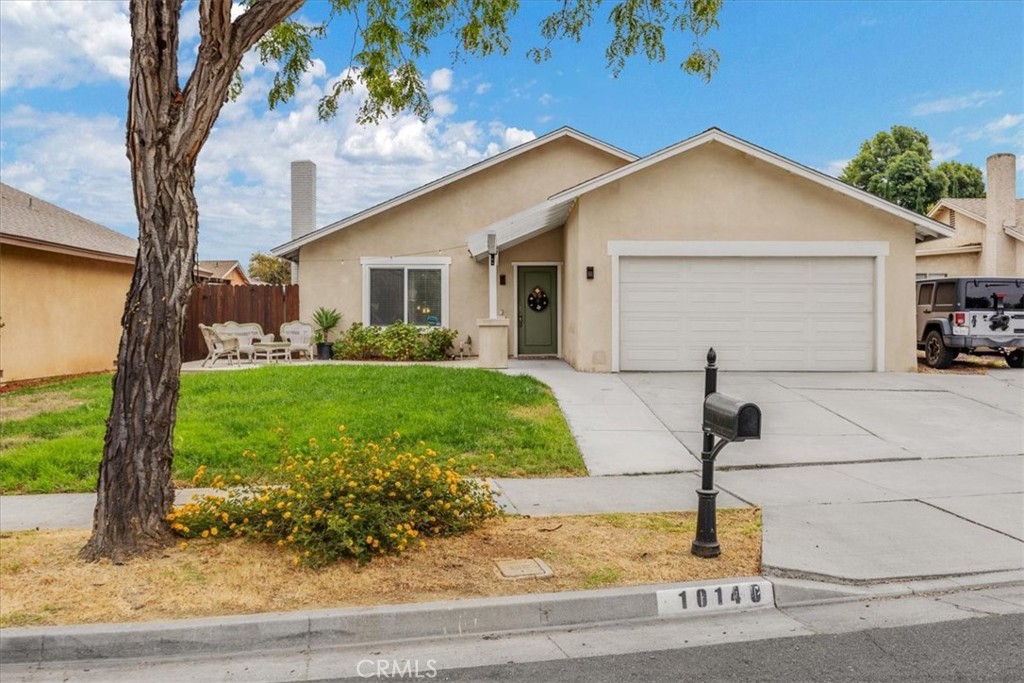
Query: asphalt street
x=988 y=649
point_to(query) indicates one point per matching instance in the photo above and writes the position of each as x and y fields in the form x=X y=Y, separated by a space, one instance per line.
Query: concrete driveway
x=861 y=477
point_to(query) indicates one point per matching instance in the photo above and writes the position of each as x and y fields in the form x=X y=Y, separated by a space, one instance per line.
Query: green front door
x=538 y=310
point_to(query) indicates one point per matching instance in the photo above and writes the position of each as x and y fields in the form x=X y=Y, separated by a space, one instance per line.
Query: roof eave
x=925 y=228
x=290 y=250
x=42 y=245
x=944 y=204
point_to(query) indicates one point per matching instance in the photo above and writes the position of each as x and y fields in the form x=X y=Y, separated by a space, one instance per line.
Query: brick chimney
x=303 y=198
x=1000 y=210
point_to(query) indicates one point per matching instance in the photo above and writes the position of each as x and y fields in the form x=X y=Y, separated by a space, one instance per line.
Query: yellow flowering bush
x=358 y=500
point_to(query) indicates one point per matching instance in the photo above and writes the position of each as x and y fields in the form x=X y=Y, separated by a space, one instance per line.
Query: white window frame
x=441 y=263
x=876 y=250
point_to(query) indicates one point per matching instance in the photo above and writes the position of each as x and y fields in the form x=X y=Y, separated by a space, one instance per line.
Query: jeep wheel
x=936 y=355
x=1015 y=359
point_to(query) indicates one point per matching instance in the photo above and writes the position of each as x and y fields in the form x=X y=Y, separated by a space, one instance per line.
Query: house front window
x=413 y=291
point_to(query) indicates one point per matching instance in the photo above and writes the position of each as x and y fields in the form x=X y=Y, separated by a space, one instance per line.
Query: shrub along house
x=614 y=262
x=63 y=281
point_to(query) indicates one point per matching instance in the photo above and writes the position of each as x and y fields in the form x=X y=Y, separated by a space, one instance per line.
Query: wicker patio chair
x=300 y=336
x=218 y=346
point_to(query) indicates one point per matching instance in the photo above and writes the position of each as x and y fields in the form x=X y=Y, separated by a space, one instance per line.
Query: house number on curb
x=697 y=599
x=537 y=299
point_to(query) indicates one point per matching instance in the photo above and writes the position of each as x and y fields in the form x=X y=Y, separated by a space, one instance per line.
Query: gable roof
x=220 y=270
x=29 y=221
x=973 y=208
x=553 y=212
x=290 y=249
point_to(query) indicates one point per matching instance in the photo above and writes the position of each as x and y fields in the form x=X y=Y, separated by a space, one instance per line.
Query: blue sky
x=808 y=80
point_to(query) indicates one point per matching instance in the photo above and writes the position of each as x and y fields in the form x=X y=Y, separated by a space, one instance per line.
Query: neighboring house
x=618 y=263
x=989 y=233
x=222 y=272
x=63 y=282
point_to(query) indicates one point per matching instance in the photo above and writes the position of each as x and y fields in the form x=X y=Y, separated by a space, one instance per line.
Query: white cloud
x=546 y=99
x=75 y=162
x=517 y=136
x=443 y=106
x=944 y=151
x=482 y=88
x=1006 y=130
x=440 y=80
x=63 y=43
x=242 y=177
x=948 y=104
x=835 y=167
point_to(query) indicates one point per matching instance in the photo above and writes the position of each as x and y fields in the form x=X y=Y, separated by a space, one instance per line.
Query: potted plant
x=325 y=320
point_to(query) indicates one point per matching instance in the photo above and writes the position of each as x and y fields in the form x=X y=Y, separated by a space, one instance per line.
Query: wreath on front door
x=537 y=300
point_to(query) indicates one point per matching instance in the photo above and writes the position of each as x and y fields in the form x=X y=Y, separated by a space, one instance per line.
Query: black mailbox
x=731 y=419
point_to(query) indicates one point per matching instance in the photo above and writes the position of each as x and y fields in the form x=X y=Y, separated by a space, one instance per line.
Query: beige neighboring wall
x=436 y=224
x=957 y=255
x=61 y=313
x=716 y=193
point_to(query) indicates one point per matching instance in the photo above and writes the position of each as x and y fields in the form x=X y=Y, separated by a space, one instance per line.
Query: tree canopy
x=896 y=165
x=965 y=180
x=393 y=36
x=269 y=269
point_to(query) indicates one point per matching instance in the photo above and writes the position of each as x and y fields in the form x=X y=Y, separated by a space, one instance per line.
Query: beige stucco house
x=614 y=262
x=63 y=281
x=988 y=234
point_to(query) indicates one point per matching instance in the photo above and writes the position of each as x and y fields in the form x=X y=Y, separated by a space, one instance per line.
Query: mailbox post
x=730 y=420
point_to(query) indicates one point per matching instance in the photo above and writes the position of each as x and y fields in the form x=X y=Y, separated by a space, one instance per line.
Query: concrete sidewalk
x=869 y=483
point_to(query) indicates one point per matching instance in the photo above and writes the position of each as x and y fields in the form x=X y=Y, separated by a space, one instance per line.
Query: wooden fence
x=268 y=305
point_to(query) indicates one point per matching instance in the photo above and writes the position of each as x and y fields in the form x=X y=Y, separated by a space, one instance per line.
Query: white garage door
x=798 y=313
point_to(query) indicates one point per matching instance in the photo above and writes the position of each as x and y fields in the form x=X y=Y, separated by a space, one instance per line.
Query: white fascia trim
x=564 y=132
x=943 y=204
x=925 y=228
x=1014 y=233
x=442 y=263
x=965 y=249
x=746 y=248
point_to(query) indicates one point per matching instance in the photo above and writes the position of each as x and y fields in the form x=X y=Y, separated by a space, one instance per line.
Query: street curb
x=351 y=626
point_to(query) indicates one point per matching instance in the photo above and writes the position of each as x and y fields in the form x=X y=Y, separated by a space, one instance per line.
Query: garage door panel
x=780 y=299
x=841 y=328
x=697 y=325
x=758 y=313
x=639 y=326
x=859 y=299
x=845 y=271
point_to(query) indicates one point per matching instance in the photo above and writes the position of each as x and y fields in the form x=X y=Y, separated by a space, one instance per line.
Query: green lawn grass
x=465 y=413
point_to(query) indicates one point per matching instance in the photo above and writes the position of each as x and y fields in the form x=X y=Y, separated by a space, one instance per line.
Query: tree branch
x=221 y=48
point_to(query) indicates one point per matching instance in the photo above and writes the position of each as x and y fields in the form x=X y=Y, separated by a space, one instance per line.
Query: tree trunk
x=135 y=490
x=167 y=126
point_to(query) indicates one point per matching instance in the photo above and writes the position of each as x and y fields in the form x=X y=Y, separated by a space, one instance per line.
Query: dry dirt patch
x=963 y=364
x=42 y=582
x=24 y=406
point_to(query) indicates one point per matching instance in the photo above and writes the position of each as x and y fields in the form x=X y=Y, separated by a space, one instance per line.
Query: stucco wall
x=969 y=232
x=715 y=193
x=438 y=223
x=62 y=314
x=951 y=265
